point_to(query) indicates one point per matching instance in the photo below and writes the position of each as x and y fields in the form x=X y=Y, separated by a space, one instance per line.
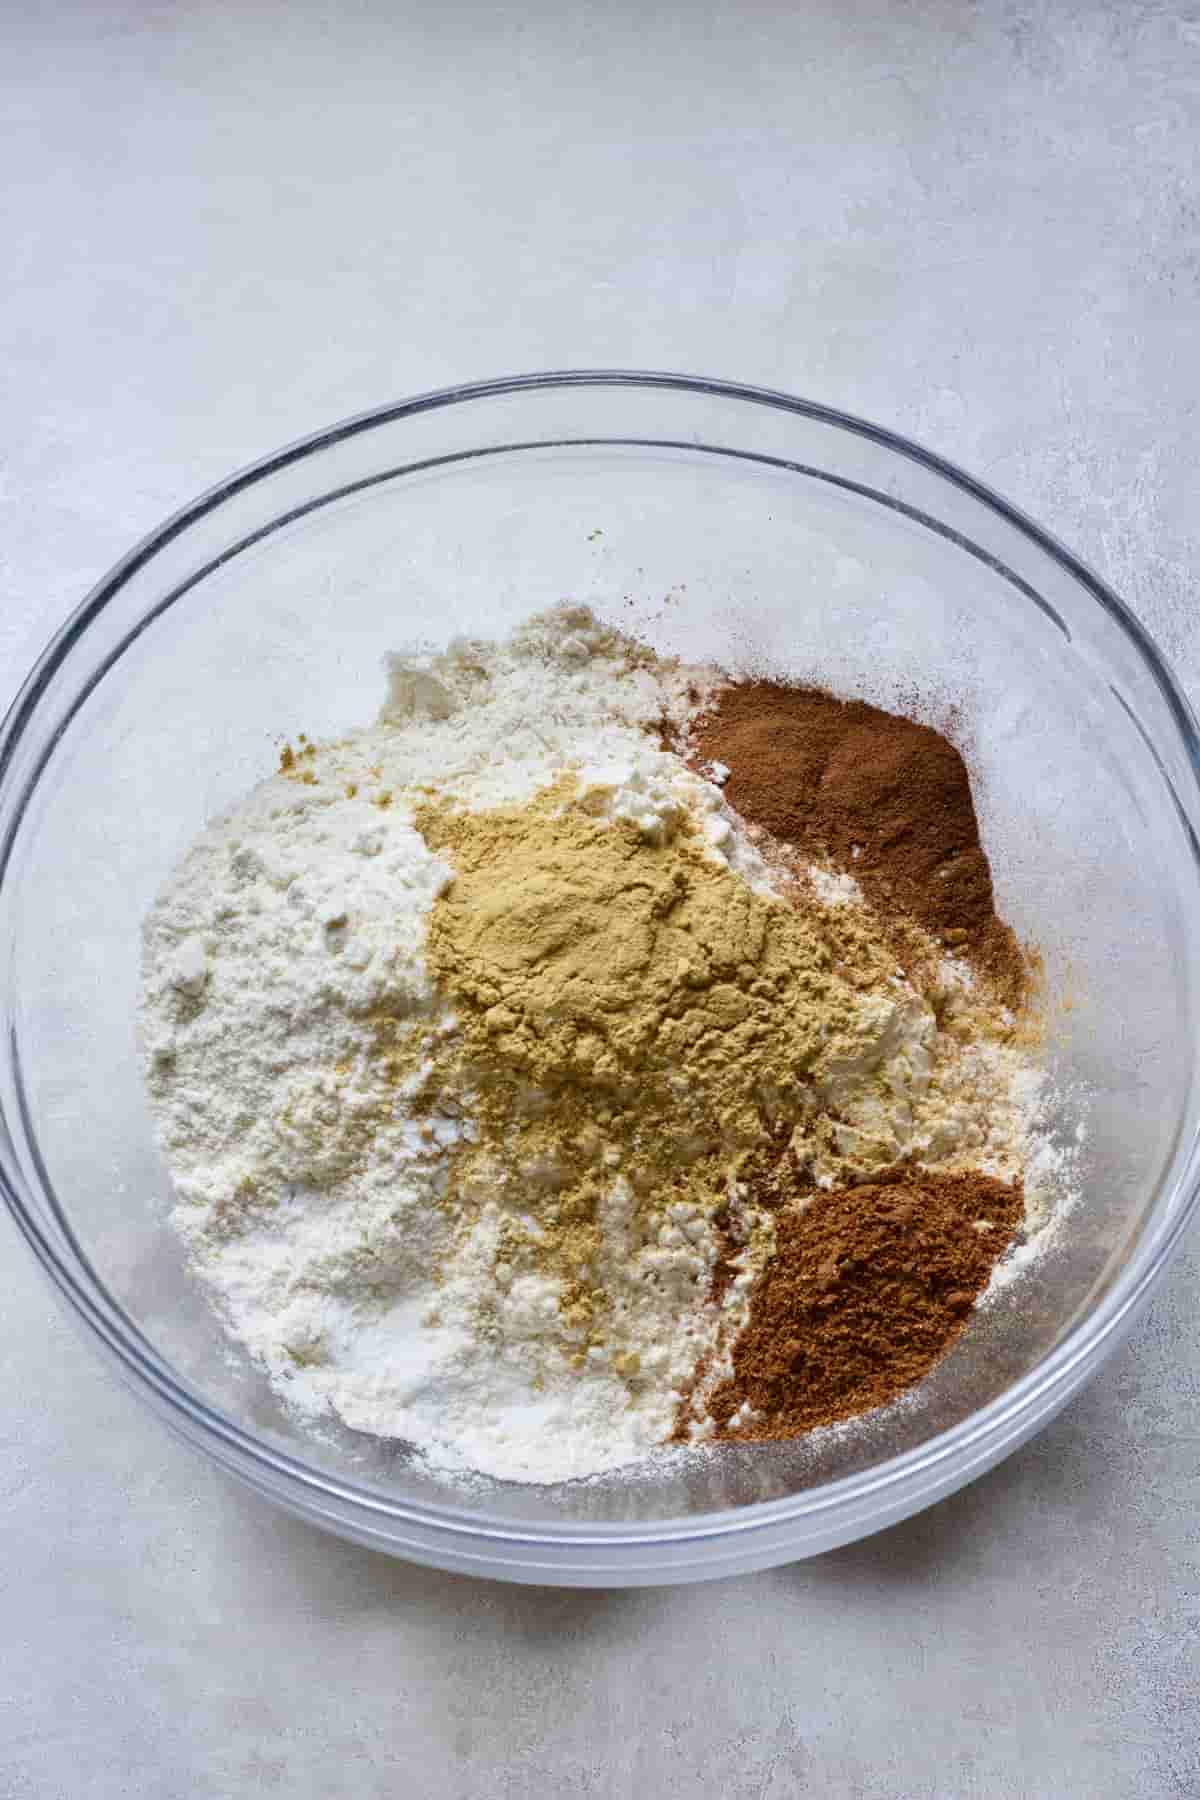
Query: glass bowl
x=722 y=522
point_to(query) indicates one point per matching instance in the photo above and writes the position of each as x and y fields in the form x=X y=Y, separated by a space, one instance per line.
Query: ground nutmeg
x=869 y=1287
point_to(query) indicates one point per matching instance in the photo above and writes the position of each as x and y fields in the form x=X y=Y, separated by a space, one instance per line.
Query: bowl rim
x=1000 y=1421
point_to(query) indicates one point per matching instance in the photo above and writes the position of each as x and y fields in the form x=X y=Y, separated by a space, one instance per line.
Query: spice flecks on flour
x=470 y=1036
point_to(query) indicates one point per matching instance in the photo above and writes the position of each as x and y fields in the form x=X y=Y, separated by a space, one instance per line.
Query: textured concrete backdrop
x=225 y=224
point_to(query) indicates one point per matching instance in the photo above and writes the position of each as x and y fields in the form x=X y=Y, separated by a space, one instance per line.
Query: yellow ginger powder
x=627 y=1007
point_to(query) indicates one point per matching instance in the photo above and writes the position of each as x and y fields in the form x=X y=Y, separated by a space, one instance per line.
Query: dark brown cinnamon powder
x=881 y=796
x=868 y=1289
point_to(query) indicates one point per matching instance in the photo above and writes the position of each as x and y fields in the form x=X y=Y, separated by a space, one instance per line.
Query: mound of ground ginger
x=624 y=1003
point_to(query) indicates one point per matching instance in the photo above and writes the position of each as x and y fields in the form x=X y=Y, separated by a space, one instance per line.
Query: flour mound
x=340 y=1167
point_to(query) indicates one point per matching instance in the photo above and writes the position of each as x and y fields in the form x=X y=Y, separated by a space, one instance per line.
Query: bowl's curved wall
x=721 y=523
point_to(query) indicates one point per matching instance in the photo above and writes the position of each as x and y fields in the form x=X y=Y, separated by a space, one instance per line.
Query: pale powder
x=319 y=1091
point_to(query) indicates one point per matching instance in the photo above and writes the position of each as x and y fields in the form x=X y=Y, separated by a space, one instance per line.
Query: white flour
x=309 y=1183
x=307 y=1190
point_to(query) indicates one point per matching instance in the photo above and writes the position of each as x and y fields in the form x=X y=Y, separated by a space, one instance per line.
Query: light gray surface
x=228 y=225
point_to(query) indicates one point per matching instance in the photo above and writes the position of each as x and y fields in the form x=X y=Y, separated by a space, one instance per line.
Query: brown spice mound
x=868 y=1289
x=879 y=795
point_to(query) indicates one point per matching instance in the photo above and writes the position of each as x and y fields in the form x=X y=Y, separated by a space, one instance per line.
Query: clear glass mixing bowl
x=724 y=522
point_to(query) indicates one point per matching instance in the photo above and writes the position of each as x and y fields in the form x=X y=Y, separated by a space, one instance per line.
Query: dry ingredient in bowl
x=868 y=1288
x=518 y=1085
x=882 y=795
